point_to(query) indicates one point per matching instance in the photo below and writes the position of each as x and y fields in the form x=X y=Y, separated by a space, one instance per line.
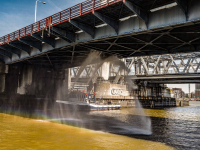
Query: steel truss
x=177 y=65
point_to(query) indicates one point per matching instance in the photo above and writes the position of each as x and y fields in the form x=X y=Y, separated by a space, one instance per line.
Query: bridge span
x=126 y=28
x=163 y=69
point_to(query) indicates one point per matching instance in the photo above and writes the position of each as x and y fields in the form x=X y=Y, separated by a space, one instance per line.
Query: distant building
x=178 y=93
x=197 y=91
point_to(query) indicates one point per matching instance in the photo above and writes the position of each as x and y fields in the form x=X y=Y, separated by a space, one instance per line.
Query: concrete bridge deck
x=125 y=28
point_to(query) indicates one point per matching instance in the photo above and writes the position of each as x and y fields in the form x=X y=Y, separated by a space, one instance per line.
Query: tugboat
x=86 y=101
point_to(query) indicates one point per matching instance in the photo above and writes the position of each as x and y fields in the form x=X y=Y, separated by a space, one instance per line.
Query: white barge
x=90 y=106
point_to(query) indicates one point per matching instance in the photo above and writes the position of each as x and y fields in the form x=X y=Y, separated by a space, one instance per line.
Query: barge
x=90 y=106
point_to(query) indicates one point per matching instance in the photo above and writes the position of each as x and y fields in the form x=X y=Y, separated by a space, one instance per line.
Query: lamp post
x=36 y=7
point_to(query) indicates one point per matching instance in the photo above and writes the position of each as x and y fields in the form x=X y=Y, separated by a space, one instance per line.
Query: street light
x=36 y=7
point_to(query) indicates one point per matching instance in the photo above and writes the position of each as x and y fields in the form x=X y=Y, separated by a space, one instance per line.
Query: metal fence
x=63 y=16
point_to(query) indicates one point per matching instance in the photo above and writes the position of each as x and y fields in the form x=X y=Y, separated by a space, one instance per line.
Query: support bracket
x=11 y=50
x=183 y=4
x=22 y=47
x=65 y=35
x=142 y=14
x=37 y=45
x=5 y=53
x=48 y=40
x=109 y=21
x=88 y=29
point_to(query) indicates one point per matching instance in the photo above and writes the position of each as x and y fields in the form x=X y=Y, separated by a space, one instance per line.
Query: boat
x=86 y=101
x=90 y=106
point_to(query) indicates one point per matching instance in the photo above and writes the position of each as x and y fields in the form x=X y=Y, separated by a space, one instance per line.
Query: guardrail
x=60 y=17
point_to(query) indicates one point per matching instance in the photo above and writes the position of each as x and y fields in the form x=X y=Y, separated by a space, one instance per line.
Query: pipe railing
x=62 y=16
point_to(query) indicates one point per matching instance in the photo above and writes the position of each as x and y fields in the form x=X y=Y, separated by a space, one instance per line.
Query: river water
x=172 y=128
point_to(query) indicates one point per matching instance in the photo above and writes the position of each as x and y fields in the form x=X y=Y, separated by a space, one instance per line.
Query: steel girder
x=109 y=21
x=84 y=27
x=35 y=44
x=6 y=54
x=183 y=4
x=12 y=50
x=64 y=34
x=45 y=39
x=138 y=11
x=22 y=47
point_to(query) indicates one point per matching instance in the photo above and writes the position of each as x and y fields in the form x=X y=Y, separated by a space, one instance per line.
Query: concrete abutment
x=29 y=87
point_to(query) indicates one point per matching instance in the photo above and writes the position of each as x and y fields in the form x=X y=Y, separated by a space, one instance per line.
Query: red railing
x=65 y=15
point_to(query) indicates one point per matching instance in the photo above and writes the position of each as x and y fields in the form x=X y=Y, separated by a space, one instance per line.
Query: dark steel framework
x=85 y=17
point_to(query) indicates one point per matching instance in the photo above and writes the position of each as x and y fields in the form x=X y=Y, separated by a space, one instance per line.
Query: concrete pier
x=182 y=103
x=29 y=87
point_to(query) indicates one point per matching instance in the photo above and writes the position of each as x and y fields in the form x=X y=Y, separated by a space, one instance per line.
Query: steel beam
x=11 y=50
x=37 y=45
x=188 y=62
x=183 y=4
x=176 y=81
x=48 y=40
x=88 y=29
x=142 y=14
x=99 y=49
x=65 y=35
x=49 y=60
x=5 y=53
x=197 y=68
x=109 y=21
x=22 y=47
x=173 y=76
x=145 y=65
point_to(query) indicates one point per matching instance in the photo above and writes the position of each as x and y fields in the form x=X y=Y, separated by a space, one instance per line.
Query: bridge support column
x=29 y=87
x=64 y=85
x=3 y=70
x=105 y=70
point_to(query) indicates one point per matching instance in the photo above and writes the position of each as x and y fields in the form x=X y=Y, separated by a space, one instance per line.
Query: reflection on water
x=22 y=133
x=175 y=126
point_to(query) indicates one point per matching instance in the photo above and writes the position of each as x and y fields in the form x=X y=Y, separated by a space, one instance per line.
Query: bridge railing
x=63 y=16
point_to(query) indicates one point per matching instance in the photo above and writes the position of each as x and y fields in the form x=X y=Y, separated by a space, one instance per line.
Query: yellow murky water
x=18 y=133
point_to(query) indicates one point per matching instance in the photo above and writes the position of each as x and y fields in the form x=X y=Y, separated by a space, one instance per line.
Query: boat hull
x=89 y=107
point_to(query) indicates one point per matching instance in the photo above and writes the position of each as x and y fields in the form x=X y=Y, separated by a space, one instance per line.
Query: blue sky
x=16 y=14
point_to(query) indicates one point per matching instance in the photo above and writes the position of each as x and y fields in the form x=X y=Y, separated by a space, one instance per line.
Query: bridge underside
x=125 y=28
x=167 y=79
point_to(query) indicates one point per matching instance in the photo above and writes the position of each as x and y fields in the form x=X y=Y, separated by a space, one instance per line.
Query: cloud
x=52 y=3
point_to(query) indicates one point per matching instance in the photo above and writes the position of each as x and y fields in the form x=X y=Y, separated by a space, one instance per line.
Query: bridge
x=125 y=28
x=163 y=69
x=147 y=36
